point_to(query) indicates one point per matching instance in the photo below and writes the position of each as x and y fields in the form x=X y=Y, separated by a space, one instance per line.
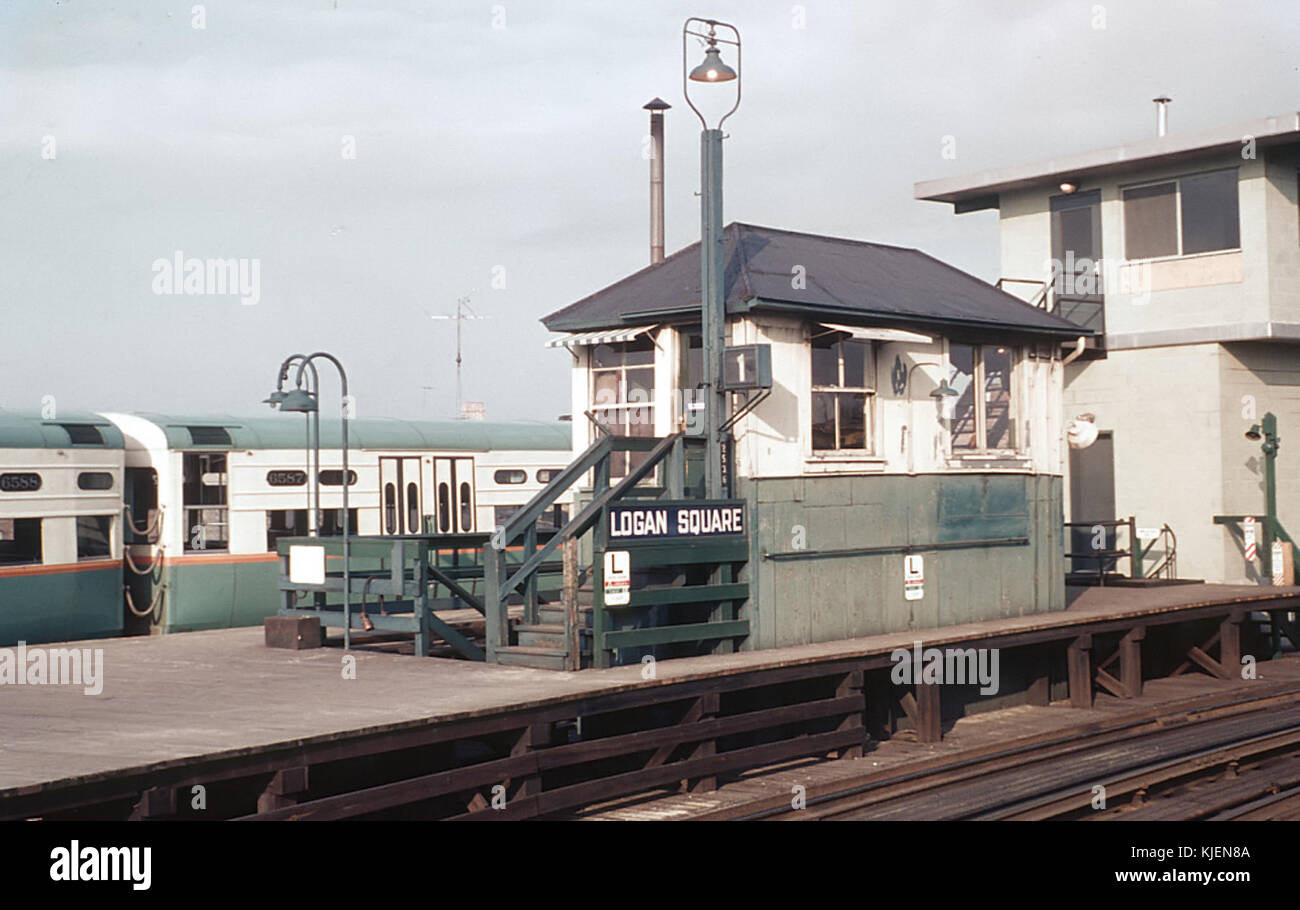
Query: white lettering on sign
x=1148 y=533
x=618 y=578
x=913 y=577
x=676 y=521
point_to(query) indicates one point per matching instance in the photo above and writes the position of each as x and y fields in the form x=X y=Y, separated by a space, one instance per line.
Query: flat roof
x=967 y=192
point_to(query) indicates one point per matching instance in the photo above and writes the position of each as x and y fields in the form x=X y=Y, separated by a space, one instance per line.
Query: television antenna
x=463 y=311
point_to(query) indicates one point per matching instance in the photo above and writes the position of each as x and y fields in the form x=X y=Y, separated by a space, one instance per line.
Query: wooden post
x=157 y=802
x=708 y=706
x=880 y=705
x=531 y=738
x=283 y=789
x=929 y=715
x=569 y=598
x=1039 y=690
x=1230 y=644
x=851 y=684
x=1079 y=660
x=1130 y=661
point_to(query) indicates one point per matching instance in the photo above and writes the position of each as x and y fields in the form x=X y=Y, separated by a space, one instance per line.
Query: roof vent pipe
x=1162 y=114
x=656 y=107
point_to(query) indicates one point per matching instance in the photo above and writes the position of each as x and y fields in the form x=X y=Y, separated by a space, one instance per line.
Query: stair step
x=524 y=656
x=541 y=635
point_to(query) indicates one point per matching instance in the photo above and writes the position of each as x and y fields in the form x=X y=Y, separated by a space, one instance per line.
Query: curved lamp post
x=942 y=394
x=712 y=297
x=313 y=431
x=301 y=401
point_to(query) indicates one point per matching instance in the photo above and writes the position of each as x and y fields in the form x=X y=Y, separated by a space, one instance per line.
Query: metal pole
x=656 y=107
x=714 y=317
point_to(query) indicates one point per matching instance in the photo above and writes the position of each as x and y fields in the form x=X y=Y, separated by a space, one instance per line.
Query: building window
x=20 y=541
x=1194 y=214
x=93 y=536
x=622 y=395
x=843 y=390
x=284 y=523
x=984 y=421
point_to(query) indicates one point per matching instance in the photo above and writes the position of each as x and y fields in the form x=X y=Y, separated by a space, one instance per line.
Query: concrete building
x=849 y=462
x=1183 y=252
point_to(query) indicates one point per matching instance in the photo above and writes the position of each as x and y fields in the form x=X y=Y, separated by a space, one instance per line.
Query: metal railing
x=1106 y=557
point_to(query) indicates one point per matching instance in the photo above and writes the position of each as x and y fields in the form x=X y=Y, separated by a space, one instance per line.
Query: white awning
x=878 y=334
x=607 y=336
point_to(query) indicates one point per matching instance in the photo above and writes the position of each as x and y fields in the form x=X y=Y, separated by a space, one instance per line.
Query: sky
x=372 y=162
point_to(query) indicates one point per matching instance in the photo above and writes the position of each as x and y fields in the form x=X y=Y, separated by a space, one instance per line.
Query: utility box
x=747 y=367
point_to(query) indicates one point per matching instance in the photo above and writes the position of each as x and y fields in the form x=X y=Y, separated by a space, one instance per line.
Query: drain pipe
x=1079 y=347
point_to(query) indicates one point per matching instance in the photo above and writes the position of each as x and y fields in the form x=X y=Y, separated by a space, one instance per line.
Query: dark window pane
x=606 y=355
x=997 y=397
x=962 y=358
x=639 y=353
x=856 y=361
x=20 y=541
x=825 y=361
x=284 y=523
x=334 y=478
x=853 y=424
x=1210 y=212
x=640 y=386
x=83 y=434
x=546 y=475
x=1150 y=228
x=331 y=524
x=413 y=509
x=604 y=389
x=209 y=436
x=92 y=536
x=823 y=421
x=510 y=476
x=444 y=508
x=694 y=362
x=466 y=508
x=390 y=509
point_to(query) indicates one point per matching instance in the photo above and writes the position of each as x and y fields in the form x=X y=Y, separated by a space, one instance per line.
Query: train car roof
x=287 y=431
x=73 y=429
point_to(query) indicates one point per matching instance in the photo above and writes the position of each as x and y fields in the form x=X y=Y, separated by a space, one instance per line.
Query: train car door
x=401 y=495
x=454 y=482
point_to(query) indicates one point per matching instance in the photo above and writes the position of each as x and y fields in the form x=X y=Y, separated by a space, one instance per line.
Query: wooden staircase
x=558 y=636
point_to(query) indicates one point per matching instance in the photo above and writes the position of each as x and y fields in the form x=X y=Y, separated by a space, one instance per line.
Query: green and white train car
x=60 y=528
x=207 y=499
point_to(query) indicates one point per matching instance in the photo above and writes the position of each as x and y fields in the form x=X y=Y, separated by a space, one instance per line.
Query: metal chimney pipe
x=656 y=107
x=1162 y=114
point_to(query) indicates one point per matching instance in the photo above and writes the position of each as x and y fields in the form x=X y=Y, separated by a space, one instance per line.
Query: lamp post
x=942 y=394
x=313 y=434
x=712 y=295
x=1267 y=431
x=301 y=401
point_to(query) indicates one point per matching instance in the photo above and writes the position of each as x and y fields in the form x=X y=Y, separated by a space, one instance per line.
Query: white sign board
x=1278 y=563
x=913 y=577
x=306 y=565
x=618 y=578
x=1148 y=533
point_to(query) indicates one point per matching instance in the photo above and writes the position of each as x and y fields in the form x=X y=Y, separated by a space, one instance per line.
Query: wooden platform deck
x=171 y=700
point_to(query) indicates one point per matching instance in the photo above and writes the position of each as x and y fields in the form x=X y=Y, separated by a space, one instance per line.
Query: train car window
x=20 y=541
x=502 y=514
x=20 y=483
x=444 y=507
x=284 y=523
x=331 y=522
x=546 y=475
x=390 y=509
x=83 y=434
x=286 y=478
x=94 y=480
x=203 y=499
x=93 y=536
x=466 y=508
x=510 y=476
x=412 y=509
x=209 y=436
x=333 y=478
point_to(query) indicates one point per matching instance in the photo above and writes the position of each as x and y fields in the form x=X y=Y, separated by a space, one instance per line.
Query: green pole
x=712 y=303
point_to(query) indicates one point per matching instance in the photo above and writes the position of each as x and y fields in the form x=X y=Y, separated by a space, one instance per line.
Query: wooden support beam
x=158 y=802
x=1039 y=690
x=1079 y=661
x=929 y=726
x=531 y=738
x=851 y=684
x=880 y=710
x=283 y=789
x=569 y=599
x=1230 y=643
x=1130 y=661
x=706 y=708
x=1109 y=683
x=1207 y=663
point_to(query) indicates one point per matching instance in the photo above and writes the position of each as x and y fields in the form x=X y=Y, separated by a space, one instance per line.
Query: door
x=401 y=495
x=453 y=480
x=1076 y=249
x=1092 y=498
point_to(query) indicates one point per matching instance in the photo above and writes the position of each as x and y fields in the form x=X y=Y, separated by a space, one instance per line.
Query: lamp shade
x=712 y=69
x=299 y=401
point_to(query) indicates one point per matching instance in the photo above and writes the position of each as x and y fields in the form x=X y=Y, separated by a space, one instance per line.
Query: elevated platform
x=219 y=706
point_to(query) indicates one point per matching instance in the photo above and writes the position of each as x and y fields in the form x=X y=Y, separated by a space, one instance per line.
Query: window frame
x=622 y=462
x=868 y=407
x=1177 y=181
x=978 y=395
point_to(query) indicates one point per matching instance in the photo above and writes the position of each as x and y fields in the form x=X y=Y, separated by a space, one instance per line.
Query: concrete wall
x=823 y=598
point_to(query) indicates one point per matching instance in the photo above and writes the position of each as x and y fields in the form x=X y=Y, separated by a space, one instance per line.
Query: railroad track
x=1212 y=757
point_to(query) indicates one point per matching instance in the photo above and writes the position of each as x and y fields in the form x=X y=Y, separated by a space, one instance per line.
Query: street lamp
x=1271 y=441
x=943 y=394
x=300 y=401
x=275 y=399
x=712 y=294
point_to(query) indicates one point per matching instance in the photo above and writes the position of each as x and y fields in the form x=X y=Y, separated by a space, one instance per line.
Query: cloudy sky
x=504 y=141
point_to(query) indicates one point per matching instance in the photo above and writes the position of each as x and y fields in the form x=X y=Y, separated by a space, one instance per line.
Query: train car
x=209 y=497
x=60 y=528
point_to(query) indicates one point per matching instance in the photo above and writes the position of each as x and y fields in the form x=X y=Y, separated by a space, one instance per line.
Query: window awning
x=878 y=334
x=606 y=336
